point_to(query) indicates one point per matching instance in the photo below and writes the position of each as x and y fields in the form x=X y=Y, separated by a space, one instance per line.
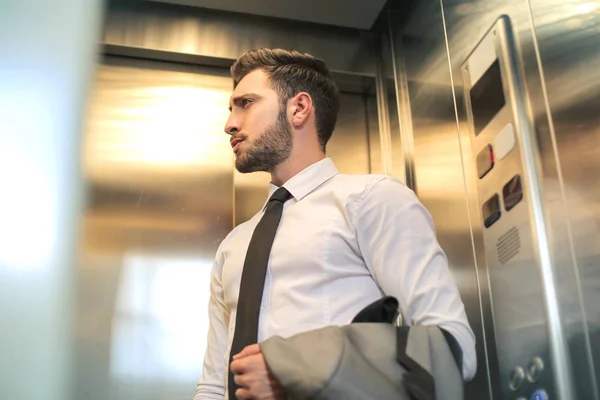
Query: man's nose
x=232 y=126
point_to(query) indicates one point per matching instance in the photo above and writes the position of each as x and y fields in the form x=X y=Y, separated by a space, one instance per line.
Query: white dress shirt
x=343 y=241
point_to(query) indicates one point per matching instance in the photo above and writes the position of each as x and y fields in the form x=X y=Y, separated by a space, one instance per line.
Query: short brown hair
x=292 y=72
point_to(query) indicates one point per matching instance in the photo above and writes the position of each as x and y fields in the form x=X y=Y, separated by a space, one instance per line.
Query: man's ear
x=301 y=106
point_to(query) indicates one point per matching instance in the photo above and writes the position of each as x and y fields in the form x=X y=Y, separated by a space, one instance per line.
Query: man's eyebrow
x=237 y=100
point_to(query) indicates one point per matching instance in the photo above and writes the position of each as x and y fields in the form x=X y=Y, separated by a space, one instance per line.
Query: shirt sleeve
x=397 y=239
x=211 y=384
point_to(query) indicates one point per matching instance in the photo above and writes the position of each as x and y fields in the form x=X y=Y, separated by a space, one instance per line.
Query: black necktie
x=253 y=279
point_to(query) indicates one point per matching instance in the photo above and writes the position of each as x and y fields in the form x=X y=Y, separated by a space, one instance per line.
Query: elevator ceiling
x=357 y=14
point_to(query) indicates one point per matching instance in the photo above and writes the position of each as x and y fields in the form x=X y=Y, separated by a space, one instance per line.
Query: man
x=341 y=241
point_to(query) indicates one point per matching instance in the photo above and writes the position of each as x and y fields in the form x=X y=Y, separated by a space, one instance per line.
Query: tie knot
x=282 y=195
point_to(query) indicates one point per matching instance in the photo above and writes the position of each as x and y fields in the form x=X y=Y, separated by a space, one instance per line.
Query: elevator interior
x=489 y=111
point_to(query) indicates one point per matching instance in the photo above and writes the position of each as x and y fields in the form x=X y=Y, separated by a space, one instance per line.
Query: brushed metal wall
x=428 y=118
x=558 y=49
x=159 y=172
x=529 y=19
x=222 y=35
x=568 y=51
x=201 y=36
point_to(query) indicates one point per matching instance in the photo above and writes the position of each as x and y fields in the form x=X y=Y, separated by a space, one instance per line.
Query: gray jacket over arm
x=366 y=360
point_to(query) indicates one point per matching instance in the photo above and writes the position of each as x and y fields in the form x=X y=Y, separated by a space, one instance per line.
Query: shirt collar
x=307 y=180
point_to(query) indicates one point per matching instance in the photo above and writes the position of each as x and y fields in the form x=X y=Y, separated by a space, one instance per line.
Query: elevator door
x=159 y=173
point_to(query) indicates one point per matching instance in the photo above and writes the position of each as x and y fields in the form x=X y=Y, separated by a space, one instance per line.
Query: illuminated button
x=516 y=378
x=535 y=369
x=504 y=142
x=485 y=161
x=539 y=395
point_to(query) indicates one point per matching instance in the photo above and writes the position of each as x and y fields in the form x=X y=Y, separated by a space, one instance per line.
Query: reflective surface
x=568 y=37
x=427 y=112
x=222 y=35
x=553 y=22
x=558 y=48
x=525 y=307
x=160 y=175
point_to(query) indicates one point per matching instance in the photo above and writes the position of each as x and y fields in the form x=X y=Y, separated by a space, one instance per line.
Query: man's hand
x=253 y=376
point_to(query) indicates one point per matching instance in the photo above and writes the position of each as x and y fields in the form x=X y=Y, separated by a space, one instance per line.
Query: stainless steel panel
x=383 y=117
x=402 y=143
x=399 y=168
x=349 y=148
x=466 y=21
x=375 y=148
x=210 y=33
x=567 y=47
x=427 y=109
x=44 y=84
x=160 y=175
x=386 y=144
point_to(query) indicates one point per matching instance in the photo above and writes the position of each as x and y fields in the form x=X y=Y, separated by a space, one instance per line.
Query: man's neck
x=288 y=169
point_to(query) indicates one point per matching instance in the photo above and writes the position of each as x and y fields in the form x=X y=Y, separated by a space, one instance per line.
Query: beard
x=269 y=150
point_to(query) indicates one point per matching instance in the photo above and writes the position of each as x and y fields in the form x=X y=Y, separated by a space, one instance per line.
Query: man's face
x=261 y=135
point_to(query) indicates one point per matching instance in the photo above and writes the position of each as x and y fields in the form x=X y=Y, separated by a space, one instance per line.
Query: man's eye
x=245 y=102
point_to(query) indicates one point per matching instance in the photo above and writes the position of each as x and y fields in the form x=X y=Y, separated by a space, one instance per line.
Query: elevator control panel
x=501 y=133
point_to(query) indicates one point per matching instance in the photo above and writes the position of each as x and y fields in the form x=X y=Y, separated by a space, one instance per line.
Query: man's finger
x=249 y=363
x=239 y=366
x=243 y=394
x=241 y=380
x=248 y=351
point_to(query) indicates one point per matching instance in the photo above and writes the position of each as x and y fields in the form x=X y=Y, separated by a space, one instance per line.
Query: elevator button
x=539 y=395
x=512 y=192
x=504 y=142
x=485 y=161
x=535 y=369
x=491 y=211
x=517 y=376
